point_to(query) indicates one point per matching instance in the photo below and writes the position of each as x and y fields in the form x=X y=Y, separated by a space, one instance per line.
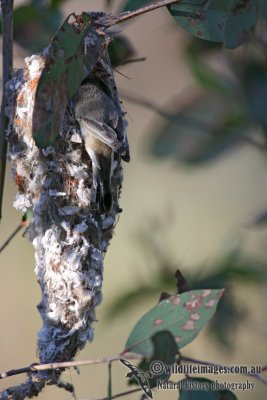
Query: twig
x=146 y=103
x=7 y=21
x=132 y=14
x=62 y=365
x=195 y=121
x=21 y=225
x=106 y=360
x=13 y=234
x=132 y=60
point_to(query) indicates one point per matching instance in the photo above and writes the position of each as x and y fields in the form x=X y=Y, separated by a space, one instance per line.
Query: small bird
x=103 y=131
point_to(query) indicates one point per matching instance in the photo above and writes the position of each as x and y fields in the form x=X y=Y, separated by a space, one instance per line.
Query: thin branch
x=13 y=234
x=131 y=61
x=132 y=14
x=62 y=365
x=23 y=223
x=106 y=360
x=195 y=121
x=7 y=23
x=146 y=103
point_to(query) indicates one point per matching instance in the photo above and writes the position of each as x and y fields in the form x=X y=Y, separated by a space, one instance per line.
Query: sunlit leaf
x=182 y=315
x=203 y=389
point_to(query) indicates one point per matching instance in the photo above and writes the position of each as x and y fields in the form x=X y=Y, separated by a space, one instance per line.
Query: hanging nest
x=70 y=226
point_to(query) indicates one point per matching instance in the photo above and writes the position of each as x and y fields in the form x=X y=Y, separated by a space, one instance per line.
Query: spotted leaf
x=182 y=315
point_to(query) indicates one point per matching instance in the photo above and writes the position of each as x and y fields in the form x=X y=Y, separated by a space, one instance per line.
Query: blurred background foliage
x=227 y=111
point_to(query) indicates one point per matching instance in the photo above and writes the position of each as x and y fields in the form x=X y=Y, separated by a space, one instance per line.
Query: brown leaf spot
x=240 y=6
x=158 y=321
x=175 y=300
x=192 y=305
x=206 y=293
x=210 y=303
x=199 y=33
x=195 y=316
x=189 y=326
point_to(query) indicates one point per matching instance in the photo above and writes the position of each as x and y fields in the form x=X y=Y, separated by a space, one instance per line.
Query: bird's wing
x=101 y=131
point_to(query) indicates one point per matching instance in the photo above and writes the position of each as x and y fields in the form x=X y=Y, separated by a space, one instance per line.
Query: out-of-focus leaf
x=34 y=25
x=132 y=5
x=209 y=79
x=182 y=315
x=203 y=389
x=201 y=133
x=56 y=3
x=264 y=10
x=261 y=219
x=161 y=279
x=241 y=22
x=230 y=22
x=62 y=77
x=109 y=3
x=227 y=319
x=120 y=49
x=254 y=81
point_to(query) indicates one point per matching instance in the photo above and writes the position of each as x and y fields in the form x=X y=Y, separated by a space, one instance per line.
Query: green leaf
x=209 y=79
x=203 y=389
x=164 y=354
x=205 y=20
x=254 y=82
x=34 y=25
x=132 y=5
x=264 y=10
x=62 y=77
x=207 y=129
x=182 y=315
x=241 y=22
x=120 y=49
x=230 y=21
